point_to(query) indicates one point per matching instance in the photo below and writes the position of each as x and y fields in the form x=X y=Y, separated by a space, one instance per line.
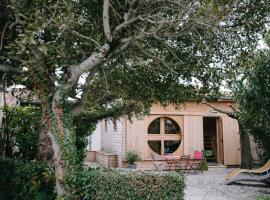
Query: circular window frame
x=162 y=136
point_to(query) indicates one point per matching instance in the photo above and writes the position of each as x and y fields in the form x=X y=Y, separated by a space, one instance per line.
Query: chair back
x=154 y=157
x=208 y=153
x=185 y=158
x=198 y=155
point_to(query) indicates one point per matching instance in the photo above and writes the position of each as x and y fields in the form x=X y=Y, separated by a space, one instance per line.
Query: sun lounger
x=261 y=174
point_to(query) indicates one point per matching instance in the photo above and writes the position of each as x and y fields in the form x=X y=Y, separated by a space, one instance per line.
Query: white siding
x=111 y=140
x=1 y=106
x=95 y=139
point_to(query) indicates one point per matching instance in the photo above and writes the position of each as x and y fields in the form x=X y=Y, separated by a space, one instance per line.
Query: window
x=115 y=125
x=155 y=146
x=171 y=127
x=154 y=127
x=106 y=125
x=164 y=135
x=171 y=146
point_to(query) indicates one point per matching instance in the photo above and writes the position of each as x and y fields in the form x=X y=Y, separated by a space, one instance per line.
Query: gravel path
x=210 y=186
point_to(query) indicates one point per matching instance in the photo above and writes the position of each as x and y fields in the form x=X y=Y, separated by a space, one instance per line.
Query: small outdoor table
x=184 y=163
x=172 y=162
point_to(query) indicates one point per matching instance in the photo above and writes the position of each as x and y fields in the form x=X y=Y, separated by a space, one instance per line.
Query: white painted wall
x=111 y=140
x=1 y=106
x=95 y=139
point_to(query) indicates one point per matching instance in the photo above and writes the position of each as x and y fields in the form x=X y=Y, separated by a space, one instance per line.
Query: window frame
x=162 y=137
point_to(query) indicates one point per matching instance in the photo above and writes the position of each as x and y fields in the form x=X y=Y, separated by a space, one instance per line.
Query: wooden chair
x=261 y=174
x=157 y=165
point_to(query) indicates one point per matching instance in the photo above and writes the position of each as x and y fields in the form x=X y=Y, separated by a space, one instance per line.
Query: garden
x=71 y=64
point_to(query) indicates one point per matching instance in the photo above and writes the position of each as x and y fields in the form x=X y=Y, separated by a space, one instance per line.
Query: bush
x=23 y=124
x=263 y=197
x=21 y=180
x=132 y=157
x=109 y=185
x=203 y=166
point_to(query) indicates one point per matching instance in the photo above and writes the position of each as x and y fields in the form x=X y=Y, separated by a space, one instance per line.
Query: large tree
x=253 y=92
x=131 y=54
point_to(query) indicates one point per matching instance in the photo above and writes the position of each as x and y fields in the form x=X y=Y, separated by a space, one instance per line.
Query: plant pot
x=132 y=166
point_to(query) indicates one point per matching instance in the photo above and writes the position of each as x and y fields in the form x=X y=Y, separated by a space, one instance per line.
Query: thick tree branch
x=96 y=58
x=230 y=114
x=106 y=21
x=79 y=107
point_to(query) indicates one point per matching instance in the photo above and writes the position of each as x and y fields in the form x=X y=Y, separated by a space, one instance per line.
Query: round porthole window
x=164 y=135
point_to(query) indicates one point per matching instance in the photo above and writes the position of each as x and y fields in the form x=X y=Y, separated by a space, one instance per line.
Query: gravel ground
x=210 y=186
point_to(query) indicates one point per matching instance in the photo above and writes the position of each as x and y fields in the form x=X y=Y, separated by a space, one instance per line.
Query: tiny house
x=167 y=130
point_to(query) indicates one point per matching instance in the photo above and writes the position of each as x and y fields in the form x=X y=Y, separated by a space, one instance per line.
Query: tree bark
x=246 y=157
x=58 y=165
x=45 y=151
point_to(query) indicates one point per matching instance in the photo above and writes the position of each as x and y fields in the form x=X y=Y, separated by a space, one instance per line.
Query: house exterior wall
x=192 y=130
x=132 y=135
x=193 y=137
x=1 y=106
x=112 y=140
x=95 y=139
x=231 y=139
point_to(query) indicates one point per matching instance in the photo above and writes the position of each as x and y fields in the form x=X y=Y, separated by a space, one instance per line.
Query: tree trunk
x=246 y=157
x=58 y=165
x=45 y=152
x=63 y=140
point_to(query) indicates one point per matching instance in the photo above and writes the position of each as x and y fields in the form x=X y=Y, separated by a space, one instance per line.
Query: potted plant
x=132 y=157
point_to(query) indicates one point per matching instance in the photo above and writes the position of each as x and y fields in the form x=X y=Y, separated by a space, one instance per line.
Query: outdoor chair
x=157 y=165
x=198 y=159
x=184 y=164
x=261 y=174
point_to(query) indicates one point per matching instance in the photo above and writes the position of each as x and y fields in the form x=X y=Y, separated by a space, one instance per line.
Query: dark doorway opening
x=210 y=138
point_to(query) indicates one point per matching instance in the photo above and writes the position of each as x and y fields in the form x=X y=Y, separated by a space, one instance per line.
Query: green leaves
x=26 y=180
x=254 y=102
x=23 y=127
x=106 y=185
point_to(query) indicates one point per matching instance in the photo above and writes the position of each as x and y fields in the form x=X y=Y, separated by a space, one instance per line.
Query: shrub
x=21 y=180
x=23 y=124
x=263 y=197
x=109 y=185
x=132 y=157
x=203 y=166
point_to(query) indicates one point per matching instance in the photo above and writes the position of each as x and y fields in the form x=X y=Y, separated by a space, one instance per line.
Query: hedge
x=21 y=180
x=109 y=185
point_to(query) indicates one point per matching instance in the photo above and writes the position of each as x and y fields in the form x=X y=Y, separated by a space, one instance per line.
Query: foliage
x=21 y=180
x=22 y=127
x=203 y=166
x=141 y=52
x=254 y=101
x=132 y=157
x=263 y=197
x=107 y=185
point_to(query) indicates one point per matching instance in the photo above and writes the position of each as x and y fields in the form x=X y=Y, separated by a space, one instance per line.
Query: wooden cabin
x=171 y=131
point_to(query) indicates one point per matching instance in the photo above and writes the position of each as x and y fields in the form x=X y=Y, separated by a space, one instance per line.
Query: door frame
x=220 y=148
